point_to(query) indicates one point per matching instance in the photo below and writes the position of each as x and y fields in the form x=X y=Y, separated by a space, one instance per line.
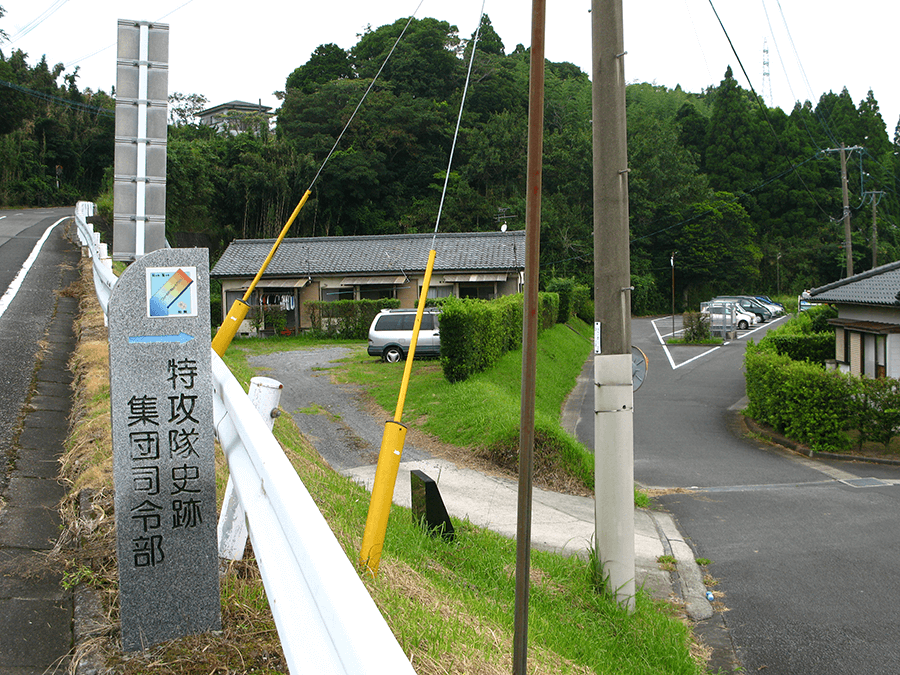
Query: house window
x=375 y=292
x=440 y=291
x=480 y=291
x=337 y=293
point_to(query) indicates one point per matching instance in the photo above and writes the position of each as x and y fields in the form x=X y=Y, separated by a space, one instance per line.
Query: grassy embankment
x=450 y=606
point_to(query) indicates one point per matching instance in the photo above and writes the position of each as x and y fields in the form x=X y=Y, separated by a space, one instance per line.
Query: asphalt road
x=803 y=552
x=26 y=318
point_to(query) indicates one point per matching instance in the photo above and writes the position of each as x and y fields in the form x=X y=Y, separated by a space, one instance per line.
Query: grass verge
x=450 y=605
x=483 y=412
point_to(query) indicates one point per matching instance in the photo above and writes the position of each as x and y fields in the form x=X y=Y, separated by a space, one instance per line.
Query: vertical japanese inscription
x=161 y=391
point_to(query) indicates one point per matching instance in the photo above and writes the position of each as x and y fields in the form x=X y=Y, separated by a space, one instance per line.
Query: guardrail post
x=264 y=393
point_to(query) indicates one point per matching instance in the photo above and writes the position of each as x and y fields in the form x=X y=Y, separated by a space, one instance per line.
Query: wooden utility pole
x=848 y=244
x=613 y=397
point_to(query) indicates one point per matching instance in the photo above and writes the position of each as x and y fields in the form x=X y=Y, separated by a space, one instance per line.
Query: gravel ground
x=337 y=419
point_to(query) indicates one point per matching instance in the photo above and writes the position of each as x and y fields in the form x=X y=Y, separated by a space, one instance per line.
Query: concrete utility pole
x=613 y=398
x=848 y=245
x=876 y=196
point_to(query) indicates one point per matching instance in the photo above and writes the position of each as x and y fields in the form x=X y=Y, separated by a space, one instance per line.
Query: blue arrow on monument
x=181 y=338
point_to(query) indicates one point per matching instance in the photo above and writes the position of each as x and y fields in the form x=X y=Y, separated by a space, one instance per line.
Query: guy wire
x=359 y=105
x=458 y=120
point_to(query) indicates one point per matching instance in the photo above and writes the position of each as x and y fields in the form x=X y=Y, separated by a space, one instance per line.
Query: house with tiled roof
x=232 y=117
x=867 y=335
x=466 y=265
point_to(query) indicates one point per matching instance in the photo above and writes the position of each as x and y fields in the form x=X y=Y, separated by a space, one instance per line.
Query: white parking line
x=662 y=340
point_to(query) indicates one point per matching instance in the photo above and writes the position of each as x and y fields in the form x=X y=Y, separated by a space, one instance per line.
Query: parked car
x=391 y=333
x=775 y=307
x=722 y=313
x=748 y=303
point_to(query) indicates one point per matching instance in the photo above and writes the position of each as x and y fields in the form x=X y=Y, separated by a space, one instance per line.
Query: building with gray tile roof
x=878 y=286
x=867 y=328
x=479 y=264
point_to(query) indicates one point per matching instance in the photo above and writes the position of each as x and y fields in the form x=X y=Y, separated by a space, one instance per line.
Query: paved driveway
x=804 y=552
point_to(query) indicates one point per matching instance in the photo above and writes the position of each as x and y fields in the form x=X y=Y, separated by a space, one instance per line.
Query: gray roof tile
x=478 y=251
x=878 y=286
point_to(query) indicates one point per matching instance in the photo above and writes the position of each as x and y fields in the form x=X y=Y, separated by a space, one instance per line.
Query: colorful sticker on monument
x=171 y=291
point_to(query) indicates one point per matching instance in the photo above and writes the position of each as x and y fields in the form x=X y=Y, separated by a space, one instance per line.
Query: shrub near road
x=790 y=390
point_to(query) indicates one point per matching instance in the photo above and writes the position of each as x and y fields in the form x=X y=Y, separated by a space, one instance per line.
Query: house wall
x=408 y=293
x=868 y=354
x=855 y=353
x=308 y=294
x=863 y=313
x=892 y=356
x=508 y=287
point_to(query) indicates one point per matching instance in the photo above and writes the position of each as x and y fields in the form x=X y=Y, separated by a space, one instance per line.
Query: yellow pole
x=239 y=309
x=390 y=453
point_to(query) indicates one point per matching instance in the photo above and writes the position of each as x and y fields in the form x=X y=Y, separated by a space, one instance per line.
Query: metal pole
x=672 y=263
x=613 y=399
x=529 y=335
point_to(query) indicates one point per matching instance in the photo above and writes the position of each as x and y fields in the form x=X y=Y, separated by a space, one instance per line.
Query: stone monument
x=163 y=453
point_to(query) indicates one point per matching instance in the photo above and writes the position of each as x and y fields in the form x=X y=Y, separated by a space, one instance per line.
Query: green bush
x=565 y=288
x=476 y=333
x=695 y=327
x=806 y=337
x=548 y=310
x=348 y=319
x=583 y=303
x=574 y=299
x=799 y=398
x=877 y=409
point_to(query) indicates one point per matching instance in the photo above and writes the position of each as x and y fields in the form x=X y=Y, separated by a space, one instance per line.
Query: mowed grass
x=450 y=605
x=484 y=412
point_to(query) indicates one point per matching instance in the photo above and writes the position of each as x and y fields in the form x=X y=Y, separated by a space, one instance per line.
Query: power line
x=38 y=20
x=110 y=46
x=75 y=105
x=763 y=108
x=736 y=198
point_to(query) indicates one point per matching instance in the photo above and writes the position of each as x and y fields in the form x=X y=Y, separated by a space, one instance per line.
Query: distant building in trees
x=236 y=117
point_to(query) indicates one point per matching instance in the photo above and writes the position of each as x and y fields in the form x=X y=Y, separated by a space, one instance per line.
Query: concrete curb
x=692 y=587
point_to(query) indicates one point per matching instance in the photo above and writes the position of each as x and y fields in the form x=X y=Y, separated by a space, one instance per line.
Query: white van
x=391 y=333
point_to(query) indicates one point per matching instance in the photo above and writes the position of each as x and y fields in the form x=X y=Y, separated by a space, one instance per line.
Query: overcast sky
x=228 y=50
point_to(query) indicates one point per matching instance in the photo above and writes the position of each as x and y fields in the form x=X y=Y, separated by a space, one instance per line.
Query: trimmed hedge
x=800 y=399
x=574 y=299
x=814 y=347
x=806 y=337
x=348 y=319
x=476 y=333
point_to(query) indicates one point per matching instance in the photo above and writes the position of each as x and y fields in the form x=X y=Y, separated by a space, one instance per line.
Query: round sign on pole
x=639 y=366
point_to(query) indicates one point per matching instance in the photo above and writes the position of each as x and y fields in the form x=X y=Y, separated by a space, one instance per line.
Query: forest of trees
x=748 y=197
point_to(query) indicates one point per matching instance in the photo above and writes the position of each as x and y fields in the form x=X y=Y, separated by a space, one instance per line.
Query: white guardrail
x=326 y=619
